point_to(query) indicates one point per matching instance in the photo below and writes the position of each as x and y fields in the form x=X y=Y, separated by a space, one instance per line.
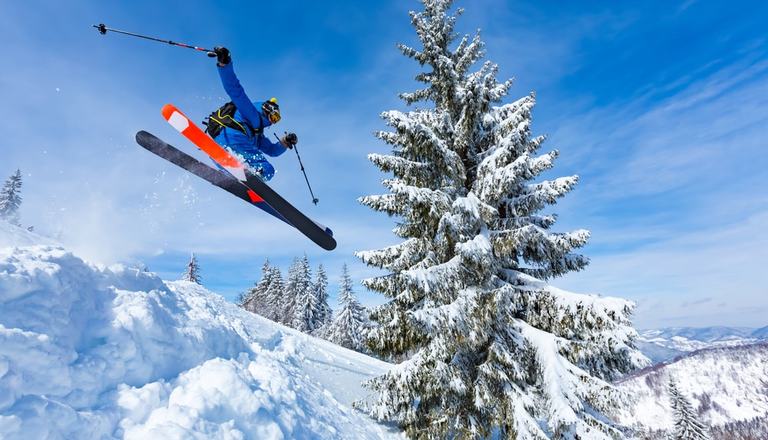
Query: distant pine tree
x=255 y=298
x=307 y=309
x=349 y=324
x=755 y=428
x=192 y=273
x=298 y=282
x=306 y=312
x=10 y=199
x=325 y=314
x=687 y=424
x=275 y=296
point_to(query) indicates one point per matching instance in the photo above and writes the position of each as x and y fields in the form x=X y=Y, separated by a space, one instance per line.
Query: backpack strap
x=224 y=117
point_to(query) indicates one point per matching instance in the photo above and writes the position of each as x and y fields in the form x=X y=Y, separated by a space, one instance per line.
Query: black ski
x=254 y=191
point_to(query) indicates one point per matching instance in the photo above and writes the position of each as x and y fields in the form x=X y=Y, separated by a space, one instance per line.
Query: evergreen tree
x=192 y=273
x=10 y=199
x=325 y=314
x=306 y=316
x=298 y=282
x=491 y=349
x=275 y=296
x=687 y=425
x=255 y=299
x=348 y=326
x=289 y=298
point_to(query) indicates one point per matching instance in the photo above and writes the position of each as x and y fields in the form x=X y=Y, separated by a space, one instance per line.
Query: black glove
x=289 y=140
x=222 y=55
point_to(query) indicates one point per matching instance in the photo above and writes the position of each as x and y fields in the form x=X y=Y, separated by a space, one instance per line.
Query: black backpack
x=224 y=116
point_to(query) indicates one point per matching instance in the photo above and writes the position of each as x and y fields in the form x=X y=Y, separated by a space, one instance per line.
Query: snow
x=11 y=235
x=667 y=343
x=88 y=351
x=724 y=385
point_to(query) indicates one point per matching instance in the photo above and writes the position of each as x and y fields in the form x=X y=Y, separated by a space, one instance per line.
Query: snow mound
x=112 y=352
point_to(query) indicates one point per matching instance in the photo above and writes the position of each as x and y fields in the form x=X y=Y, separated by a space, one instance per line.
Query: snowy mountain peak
x=703 y=334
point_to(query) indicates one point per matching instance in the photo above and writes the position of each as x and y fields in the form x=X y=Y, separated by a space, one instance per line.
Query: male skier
x=239 y=125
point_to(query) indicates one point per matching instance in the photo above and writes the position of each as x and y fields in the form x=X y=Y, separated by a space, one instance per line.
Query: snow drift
x=98 y=352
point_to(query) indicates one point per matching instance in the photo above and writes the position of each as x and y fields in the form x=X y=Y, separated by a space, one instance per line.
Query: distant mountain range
x=727 y=386
x=661 y=345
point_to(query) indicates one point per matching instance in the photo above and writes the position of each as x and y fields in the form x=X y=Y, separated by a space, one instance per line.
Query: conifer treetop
x=687 y=425
x=10 y=198
x=192 y=273
x=488 y=345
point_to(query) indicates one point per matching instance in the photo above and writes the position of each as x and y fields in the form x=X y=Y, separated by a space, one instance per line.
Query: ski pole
x=314 y=199
x=102 y=28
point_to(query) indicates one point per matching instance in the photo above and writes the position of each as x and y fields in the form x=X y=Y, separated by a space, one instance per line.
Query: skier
x=239 y=125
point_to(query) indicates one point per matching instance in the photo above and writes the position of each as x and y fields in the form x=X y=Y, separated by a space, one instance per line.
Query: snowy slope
x=95 y=352
x=11 y=235
x=723 y=384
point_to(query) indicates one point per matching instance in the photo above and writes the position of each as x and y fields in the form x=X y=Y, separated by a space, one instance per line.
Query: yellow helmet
x=271 y=110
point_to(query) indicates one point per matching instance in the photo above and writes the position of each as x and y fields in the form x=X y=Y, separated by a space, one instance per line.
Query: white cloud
x=723 y=264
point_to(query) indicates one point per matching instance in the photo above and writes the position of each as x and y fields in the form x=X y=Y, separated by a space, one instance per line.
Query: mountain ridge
x=725 y=385
x=664 y=344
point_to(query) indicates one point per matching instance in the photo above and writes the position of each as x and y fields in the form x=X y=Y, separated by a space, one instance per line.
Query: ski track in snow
x=88 y=351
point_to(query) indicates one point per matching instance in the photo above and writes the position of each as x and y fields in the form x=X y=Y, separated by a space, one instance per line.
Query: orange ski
x=191 y=131
x=257 y=191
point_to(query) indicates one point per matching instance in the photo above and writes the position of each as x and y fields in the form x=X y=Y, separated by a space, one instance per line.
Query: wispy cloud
x=689 y=216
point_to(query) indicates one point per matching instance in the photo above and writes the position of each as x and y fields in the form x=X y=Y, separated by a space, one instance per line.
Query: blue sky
x=659 y=106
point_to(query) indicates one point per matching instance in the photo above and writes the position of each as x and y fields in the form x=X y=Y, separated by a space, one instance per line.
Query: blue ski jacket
x=251 y=146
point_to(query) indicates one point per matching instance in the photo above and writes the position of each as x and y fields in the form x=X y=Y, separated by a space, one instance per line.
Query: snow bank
x=110 y=352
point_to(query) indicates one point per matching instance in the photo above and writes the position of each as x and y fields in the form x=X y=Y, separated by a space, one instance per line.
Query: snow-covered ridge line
x=724 y=350
x=666 y=344
x=725 y=385
x=88 y=351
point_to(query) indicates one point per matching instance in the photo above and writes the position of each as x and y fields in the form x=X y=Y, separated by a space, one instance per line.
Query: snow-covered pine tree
x=255 y=298
x=348 y=326
x=298 y=283
x=325 y=314
x=307 y=310
x=289 y=292
x=192 y=273
x=687 y=424
x=491 y=349
x=10 y=199
x=275 y=296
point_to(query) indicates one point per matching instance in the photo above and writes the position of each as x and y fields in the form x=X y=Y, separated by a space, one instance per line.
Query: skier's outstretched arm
x=237 y=94
x=235 y=90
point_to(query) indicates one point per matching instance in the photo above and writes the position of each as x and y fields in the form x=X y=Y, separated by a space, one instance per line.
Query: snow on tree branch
x=487 y=349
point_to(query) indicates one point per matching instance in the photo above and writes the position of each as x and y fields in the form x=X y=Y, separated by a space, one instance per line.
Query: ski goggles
x=271 y=110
